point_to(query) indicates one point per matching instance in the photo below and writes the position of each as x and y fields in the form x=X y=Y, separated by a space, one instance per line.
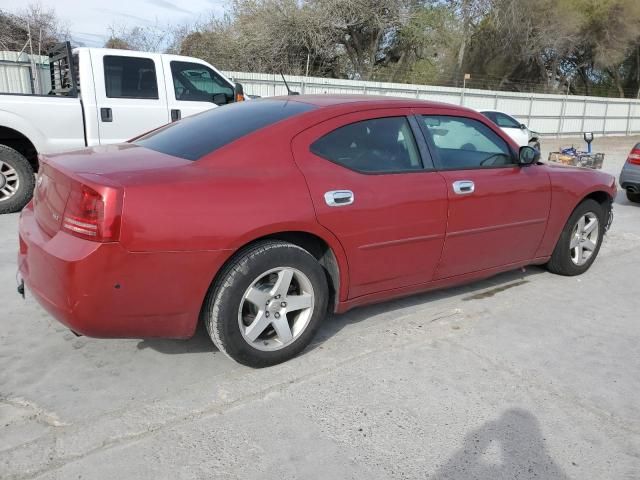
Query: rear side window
x=198 y=135
x=374 y=146
x=130 y=77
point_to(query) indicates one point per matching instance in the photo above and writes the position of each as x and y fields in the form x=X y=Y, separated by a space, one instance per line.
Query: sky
x=89 y=20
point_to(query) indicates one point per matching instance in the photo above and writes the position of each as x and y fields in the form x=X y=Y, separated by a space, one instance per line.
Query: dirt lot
x=526 y=375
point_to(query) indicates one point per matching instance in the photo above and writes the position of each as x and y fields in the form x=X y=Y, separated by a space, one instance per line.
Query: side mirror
x=239 y=92
x=528 y=155
x=220 y=99
x=523 y=126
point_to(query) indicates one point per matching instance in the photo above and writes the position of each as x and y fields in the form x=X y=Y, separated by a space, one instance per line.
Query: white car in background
x=512 y=127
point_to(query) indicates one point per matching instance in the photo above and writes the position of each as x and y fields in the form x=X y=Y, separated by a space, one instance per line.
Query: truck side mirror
x=239 y=93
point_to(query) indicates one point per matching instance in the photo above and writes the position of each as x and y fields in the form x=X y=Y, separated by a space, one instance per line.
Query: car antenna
x=289 y=91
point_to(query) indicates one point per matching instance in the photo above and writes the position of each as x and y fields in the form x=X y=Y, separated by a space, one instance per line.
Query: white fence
x=561 y=115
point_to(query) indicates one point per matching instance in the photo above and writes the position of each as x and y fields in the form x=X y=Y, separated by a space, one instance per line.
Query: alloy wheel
x=584 y=239
x=276 y=308
x=9 y=181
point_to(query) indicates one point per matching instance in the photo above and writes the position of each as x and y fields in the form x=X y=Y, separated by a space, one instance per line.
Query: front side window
x=373 y=146
x=505 y=121
x=463 y=143
x=130 y=77
x=198 y=83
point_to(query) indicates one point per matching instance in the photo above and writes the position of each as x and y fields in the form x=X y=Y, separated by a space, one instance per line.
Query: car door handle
x=464 y=187
x=175 y=114
x=106 y=115
x=339 y=198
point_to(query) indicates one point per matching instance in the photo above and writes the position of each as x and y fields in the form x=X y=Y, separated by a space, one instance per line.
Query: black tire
x=26 y=180
x=221 y=307
x=633 y=197
x=535 y=145
x=561 y=262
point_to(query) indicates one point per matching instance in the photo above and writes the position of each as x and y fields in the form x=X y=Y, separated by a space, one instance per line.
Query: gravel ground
x=525 y=375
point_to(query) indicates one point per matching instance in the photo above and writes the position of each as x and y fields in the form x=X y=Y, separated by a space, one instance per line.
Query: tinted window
x=490 y=115
x=198 y=135
x=198 y=83
x=463 y=143
x=130 y=77
x=377 y=145
x=506 y=121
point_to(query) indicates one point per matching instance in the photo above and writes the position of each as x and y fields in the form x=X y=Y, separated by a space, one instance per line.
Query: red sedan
x=259 y=218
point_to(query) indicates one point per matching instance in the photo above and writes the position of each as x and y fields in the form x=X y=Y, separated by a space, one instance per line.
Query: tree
x=39 y=25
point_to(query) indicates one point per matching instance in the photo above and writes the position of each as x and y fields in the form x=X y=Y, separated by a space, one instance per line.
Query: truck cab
x=99 y=96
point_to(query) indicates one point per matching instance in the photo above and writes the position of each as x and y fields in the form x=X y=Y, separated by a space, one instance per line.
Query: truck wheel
x=266 y=304
x=16 y=180
x=580 y=240
x=633 y=196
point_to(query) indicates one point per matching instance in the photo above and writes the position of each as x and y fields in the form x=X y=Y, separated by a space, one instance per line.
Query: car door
x=497 y=209
x=370 y=188
x=130 y=94
x=194 y=87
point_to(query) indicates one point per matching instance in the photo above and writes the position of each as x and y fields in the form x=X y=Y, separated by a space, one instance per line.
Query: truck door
x=130 y=94
x=193 y=86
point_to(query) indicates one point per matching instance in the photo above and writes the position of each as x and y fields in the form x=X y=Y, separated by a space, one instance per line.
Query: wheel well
x=603 y=198
x=317 y=247
x=14 y=139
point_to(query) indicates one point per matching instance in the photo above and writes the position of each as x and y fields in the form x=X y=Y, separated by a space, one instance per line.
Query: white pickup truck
x=99 y=96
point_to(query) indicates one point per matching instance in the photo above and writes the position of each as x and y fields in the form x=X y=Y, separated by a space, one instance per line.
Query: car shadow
x=201 y=343
x=471 y=291
x=513 y=446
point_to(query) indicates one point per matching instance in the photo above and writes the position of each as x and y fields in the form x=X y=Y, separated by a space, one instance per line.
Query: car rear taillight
x=93 y=215
x=634 y=156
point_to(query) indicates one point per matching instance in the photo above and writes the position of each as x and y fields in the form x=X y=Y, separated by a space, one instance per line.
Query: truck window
x=130 y=77
x=198 y=83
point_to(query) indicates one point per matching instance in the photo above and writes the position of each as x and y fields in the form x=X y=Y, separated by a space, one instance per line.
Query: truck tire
x=16 y=180
x=633 y=196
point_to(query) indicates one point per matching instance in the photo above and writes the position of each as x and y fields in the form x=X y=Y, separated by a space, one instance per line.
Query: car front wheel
x=266 y=304
x=580 y=240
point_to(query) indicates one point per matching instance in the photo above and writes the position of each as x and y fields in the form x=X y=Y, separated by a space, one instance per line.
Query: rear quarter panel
x=569 y=186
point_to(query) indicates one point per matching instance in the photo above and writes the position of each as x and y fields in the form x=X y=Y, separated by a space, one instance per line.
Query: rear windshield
x=196 y=136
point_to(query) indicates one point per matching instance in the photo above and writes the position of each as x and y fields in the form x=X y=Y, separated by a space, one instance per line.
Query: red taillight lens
x=634 y=156
x=92 y=215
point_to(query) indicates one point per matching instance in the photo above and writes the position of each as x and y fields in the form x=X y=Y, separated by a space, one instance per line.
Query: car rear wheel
x=580 y=240
x=633 y=196
x=16 y=180
x=267 y=303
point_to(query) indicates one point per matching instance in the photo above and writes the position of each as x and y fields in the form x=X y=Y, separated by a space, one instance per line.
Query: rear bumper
x=102 y=290
x=630 y=178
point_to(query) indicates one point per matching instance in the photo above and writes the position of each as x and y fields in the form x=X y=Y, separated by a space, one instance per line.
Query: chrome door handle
x=464 y=187
x=339 y=198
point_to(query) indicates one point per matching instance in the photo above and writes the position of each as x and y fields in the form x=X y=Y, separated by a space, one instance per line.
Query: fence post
x=530 y=109
x=561 y=119
x=584 y=114
x=274 y=84
x=495 y=102
x=604 y=123
x=628 y=117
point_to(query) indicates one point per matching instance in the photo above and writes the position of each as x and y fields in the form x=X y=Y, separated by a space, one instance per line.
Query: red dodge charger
x=259 y=218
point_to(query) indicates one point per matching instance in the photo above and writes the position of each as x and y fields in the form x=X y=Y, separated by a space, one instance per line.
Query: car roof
x=369 y=101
